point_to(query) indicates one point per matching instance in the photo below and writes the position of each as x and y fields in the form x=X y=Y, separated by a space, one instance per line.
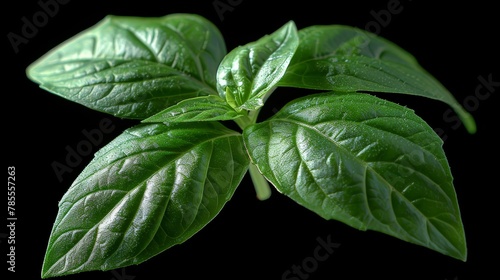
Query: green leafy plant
x=342 y=153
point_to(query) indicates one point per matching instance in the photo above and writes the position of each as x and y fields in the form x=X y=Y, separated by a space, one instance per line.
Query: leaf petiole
x=260 y=183
x=244 y=121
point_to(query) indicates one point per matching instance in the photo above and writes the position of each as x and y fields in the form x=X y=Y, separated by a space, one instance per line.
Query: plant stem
x=260 y=183
x=252 y=115
x=243 y=122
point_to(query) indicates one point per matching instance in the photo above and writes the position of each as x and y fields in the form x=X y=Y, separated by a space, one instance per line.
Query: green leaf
x=151 y=188
x=203 y=108
x=134 y=67
x=363 y=161
x=344 y=58
x=249 y=73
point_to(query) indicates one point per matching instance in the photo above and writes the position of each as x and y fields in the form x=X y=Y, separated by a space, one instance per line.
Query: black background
x=253 y=239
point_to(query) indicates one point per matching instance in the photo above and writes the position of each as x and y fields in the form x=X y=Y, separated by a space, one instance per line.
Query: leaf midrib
x=139 y=185
x=164 y=26
x=171 y=73
x=366 y=167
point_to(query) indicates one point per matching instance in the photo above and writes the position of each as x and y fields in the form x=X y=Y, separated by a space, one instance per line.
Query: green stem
x=243 y=122
x=252 y=115
x=260 y=183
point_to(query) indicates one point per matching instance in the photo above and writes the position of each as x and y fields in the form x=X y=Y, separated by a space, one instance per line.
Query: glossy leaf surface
x=203 y=108
x=134 y=67
x=151 y=188
x=366 y=162
x=248 y=74
x=344 y=58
